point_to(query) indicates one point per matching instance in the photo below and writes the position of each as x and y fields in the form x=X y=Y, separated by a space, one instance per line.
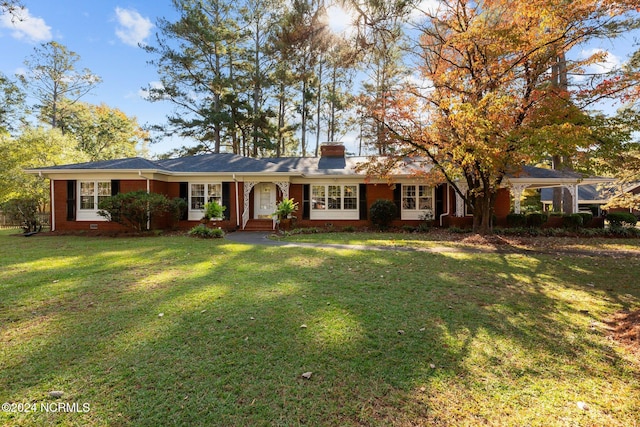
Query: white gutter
x=447 y=212
x=237 y=203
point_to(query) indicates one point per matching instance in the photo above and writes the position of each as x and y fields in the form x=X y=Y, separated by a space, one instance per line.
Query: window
x=199 y=191
x=318 y=201
x=350 y=198
x=408 y=197
x=92 y=193
x=417 y=202
x=425 y=197
x=334 y=197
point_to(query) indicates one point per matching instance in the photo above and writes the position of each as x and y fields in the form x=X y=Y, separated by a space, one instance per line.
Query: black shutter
x=71 y=200
x=306 y=203
x=184 y=195
x=115 y=186
x=397 y=199
x=226 y=200
x=364 y=211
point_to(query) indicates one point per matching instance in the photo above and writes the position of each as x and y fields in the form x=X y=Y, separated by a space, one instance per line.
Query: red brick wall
x=378 y=191
x=296 y=192
x=172 y=189
x=503 y=203
x=60 y=198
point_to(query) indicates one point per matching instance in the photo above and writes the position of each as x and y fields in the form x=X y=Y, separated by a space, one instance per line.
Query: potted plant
x=213 y=211
x=284 y=211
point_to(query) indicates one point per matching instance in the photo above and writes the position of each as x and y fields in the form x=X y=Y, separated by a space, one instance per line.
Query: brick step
x=259 y=225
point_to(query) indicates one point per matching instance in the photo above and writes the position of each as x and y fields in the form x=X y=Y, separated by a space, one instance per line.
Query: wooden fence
x=6 y=222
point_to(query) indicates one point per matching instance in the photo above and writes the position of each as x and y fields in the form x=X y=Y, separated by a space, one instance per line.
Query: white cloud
x=609 y=62
x=144 y=93
x=26 y=27
x=132 y=28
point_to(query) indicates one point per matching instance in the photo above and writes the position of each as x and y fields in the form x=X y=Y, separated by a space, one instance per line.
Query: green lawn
x=179 y=331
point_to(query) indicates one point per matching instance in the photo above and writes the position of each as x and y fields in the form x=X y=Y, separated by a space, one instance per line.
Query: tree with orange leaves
x=489 y=64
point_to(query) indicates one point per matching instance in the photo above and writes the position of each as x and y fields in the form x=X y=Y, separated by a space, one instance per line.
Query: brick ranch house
x=330 y=190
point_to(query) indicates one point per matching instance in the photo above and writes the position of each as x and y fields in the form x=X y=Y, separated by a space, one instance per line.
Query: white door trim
x=264 y=200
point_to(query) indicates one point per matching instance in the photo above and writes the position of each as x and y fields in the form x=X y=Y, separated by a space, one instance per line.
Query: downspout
x=148 y=191
x=237 y=203
x=442 y=215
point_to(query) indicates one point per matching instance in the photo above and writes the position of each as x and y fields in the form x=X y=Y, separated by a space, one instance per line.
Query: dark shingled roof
x=224 y=162
x=310 y=166
x=319 y=165
x=130 y=163
x=535 y=172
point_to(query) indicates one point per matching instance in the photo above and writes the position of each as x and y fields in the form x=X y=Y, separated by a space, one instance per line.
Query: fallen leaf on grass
x=307 y=375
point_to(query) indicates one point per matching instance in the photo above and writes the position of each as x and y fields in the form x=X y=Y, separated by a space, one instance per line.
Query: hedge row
x=537 y=220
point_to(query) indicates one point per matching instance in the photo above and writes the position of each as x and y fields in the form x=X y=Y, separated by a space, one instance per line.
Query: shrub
x=408 y=228
x=286 y=208
x=622 y=219
x=349 y=229
x=425 y=226
x=382 y=212
x=307 y=230
x=177 y=208
x=586 y=218
x=214 y=210
x=458 y=230
x=25 y=211
x=536 y=219
x=205 y=232
x=572 y=221
x=516 y=220
x=618 y=231
x=135 y=209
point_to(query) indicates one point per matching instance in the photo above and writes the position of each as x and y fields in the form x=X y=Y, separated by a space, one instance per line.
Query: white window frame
x=417 y=212
x=197 y=214
x=91 y=214
x=320 y=203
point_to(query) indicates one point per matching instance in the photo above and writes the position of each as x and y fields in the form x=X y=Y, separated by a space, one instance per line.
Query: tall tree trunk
x=318 y=105
x=562 y=200
x=332 y=121
x=280 y=149
x=303 y=124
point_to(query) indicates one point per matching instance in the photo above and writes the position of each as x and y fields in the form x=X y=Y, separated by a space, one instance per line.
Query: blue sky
x=106 y=35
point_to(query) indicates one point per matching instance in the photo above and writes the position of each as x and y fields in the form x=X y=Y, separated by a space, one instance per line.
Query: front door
x=264 y=200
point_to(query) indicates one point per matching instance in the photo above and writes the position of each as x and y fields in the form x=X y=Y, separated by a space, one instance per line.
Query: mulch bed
x=625 y=329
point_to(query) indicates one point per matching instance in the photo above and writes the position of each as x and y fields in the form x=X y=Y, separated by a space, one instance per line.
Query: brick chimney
x=332 y=149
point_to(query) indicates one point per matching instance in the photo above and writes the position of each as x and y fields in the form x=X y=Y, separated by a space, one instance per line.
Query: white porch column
x=459 y=200
x=573 y=190
x=516 y=191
